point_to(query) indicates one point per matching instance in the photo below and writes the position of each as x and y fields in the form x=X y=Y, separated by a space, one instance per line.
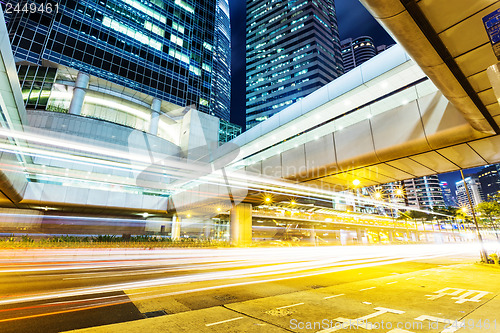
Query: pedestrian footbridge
x=422 y=107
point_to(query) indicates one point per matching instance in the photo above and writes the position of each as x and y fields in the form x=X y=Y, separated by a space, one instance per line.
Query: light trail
x=187 y=175
x=149 y=274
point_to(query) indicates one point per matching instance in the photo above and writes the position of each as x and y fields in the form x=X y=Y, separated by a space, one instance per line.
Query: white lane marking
x=289 y=306
x=368 y=303
x=425 y=274
x=224 y=321
x=455 y=325
x=392 y=282
x=410 y=278
x=455 y=292
x=328 y=297
x=360 y=322
x=442 y=292
x=463 y=298
x=367 y=288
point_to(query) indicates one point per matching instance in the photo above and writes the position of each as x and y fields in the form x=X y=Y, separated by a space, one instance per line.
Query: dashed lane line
x=223 y=321
x=289 y=306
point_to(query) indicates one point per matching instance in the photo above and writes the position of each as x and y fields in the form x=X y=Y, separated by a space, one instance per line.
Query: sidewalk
x=464 y=295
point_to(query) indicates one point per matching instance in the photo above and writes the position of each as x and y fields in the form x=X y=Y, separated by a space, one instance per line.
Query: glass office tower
x=161 y=48
x=293 y=48
x=221 y=80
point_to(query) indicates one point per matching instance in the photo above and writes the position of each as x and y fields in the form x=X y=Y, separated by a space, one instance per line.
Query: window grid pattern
x=140 y=46
x=293 y=48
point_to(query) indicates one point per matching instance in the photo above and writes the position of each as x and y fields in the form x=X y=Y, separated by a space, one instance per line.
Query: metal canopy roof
x=449 y=42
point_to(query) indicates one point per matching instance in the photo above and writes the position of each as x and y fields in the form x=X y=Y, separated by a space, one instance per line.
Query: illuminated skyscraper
x=448 y=196
x=293 y=48
x=221 y=80
x=163 y=48
x=475 y=192
x=489 y=177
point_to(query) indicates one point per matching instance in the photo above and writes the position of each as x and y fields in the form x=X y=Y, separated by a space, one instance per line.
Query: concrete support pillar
x=155 y=116
x=359 y=235
x=176 y=227
x=390 y=234
x=207 y=229
x=81 y=85
x=313 y=236
x=379 y=234
x=240 y=226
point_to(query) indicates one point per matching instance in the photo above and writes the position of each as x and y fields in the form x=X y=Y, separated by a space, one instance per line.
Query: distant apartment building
x=423 y=192
x=293 y=48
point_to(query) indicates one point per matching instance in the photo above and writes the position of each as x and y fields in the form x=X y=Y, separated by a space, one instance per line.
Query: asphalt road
x=60 y=290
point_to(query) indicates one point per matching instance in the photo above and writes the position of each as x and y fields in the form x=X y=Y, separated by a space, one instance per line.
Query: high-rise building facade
x=293 y=48
x=489 y=177
x=475 y=192
x=221 y=76
x=161 y=48
x=356 y=51
x=424 y=192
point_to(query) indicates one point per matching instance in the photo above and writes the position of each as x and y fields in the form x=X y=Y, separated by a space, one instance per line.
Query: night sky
x=353 y=19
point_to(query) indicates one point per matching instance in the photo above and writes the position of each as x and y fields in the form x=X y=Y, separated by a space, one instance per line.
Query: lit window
x=207 y=67
x=178 y=27
x=203 y=102
x=115 y=25
x=208 y=46
x=154 y=28
x=143 y=8
x=176 y=40
x=185 y=6
x=178 y=55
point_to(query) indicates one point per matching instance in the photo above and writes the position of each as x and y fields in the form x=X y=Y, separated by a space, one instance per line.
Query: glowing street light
x=356 y=182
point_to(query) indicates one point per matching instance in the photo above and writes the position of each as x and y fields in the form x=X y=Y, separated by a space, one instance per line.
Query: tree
x=490 y=210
